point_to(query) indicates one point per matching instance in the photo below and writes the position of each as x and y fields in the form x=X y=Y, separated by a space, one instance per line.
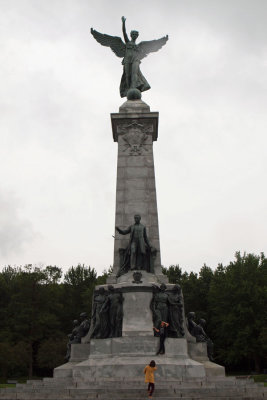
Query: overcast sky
x=58 y=87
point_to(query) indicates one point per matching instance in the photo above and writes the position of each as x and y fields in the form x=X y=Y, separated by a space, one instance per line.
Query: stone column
x=135 y=129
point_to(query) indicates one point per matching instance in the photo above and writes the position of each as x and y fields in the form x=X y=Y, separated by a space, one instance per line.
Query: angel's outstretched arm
x=124 y=30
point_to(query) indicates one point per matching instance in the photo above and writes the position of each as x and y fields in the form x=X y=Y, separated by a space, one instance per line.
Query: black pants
x=161 y=345
x=150 y=388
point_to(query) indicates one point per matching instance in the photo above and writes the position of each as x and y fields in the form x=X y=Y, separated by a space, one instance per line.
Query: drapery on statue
x=132 y=55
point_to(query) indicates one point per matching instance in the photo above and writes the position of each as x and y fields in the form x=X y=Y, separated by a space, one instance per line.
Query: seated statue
x=139 y=255
x=197 y=330
x=83 y=328
x=72 y=338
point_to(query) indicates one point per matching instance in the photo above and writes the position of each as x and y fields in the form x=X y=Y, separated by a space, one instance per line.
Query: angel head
x=134 y=35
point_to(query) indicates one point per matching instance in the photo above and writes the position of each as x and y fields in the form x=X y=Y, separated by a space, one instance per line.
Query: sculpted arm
x=146 y=238
x=122 y=231
x=124 y=30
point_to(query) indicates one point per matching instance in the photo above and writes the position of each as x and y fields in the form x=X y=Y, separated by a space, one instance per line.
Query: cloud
x=15 y=231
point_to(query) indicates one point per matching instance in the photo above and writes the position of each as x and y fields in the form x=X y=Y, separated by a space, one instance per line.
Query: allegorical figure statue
x=176 y=328
x=197 y=330
x=135 y=256
x=72 y=338
x=113 y=306
x=160 y=306
x=132 y=54
x=83 y=327
x=100 y=315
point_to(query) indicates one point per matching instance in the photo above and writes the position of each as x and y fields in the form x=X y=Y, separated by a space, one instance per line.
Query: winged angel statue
x=132 y=54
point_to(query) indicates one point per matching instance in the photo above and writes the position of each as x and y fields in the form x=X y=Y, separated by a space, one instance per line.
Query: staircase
x=196 y=389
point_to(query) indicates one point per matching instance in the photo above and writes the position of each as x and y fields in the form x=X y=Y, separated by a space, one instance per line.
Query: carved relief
x=134 y=137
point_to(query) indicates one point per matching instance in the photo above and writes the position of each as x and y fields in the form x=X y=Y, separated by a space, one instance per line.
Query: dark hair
x=152 y=363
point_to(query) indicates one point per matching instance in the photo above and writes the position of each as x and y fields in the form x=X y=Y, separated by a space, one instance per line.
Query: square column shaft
x=135 y=129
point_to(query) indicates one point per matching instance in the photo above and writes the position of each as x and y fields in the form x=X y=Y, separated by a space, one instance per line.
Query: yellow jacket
x=149 y=374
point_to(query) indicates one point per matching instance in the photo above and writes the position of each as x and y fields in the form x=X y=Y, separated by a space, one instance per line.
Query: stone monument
x=107 y=354
x=130 y=308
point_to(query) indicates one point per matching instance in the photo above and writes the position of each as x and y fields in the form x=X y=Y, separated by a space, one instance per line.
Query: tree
x=237 y=300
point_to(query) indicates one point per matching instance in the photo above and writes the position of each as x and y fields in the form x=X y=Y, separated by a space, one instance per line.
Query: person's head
x=75 y=322
x=137 y=218
x=163 y=287
x=101 y=290
x=152 y=363
x=202 y=322
x=134 y=35
x=177 y=288
x=83 y=315
x=191 y=315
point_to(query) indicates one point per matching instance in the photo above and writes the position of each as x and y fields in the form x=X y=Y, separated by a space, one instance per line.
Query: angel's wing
x=114 y=42
x=151 y=46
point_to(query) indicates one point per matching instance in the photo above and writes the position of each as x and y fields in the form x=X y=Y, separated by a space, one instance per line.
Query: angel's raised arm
x=124 y=30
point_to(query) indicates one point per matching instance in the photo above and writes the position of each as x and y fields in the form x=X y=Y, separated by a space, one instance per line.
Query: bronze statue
x=113 y=306
x=139 y=253
x=197 y=330
x=160 y=305
x=72 y=338
x=176 y=328
x=100 y=315
x=83 y=328
x=132 y=55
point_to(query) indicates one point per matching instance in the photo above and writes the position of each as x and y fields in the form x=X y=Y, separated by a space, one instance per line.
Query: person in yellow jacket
x=149 y=377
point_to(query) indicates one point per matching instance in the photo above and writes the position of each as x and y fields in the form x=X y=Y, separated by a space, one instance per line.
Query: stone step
x=208 y=393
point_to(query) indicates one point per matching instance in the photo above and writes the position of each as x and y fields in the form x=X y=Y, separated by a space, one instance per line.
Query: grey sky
x=58 y=88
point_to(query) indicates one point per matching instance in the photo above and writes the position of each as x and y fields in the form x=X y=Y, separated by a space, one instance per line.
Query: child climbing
x=149 y=377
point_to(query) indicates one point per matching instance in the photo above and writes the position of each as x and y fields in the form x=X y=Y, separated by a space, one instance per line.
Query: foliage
x=38 y=305
x=233 y=300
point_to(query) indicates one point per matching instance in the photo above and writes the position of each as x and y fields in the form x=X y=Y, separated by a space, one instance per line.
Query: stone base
x=127 y=356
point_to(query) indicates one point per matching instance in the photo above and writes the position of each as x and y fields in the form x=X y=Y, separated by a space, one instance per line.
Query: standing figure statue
x=100 y=315
x=160 y=306
x=113 y=305
x=132 y=55
x=135 y=255
x=176 y=328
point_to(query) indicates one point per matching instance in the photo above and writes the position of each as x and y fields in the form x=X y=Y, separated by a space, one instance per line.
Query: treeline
x=38 y=305
x=233 y=301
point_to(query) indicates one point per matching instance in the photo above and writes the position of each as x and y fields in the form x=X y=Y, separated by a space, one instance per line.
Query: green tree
x=238 y=303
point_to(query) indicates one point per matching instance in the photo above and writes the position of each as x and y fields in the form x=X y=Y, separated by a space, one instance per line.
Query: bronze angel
x=132 y=55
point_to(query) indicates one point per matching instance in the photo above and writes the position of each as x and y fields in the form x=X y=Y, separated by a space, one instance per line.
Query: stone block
x=132 y=195
x=120 y=173
x=135 y=184
x=151 y=184
x=122 y=161
x=137 y=316
x=136 y=172
x=137 y=207
x=120 y=196
x=135 y=161
x=79 y=352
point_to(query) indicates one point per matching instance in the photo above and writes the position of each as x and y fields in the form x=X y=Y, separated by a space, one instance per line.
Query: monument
x=129 y=310
x=106 y=354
